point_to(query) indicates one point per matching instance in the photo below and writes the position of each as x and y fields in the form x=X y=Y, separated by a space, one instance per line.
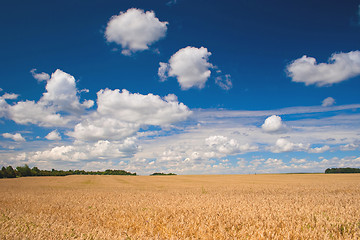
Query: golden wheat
x=181 y=207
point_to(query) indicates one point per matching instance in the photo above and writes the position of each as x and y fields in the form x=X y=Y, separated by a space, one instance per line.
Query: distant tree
x=162 y=174
x=35 y=171
x=24 y=171
x=10 y=172
x=342 y=170
x=4 y=172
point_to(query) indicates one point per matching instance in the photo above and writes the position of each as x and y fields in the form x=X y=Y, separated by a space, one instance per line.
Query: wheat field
x=285 y=206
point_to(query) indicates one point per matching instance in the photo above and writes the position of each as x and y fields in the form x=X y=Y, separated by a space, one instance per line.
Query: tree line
x=25 y=171
x=162 y=174
x=342 y=170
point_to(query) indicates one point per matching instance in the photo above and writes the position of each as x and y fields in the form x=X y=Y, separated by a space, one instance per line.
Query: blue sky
x=192 y=87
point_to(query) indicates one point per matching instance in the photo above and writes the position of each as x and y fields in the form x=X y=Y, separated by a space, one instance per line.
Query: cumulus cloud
x=341 y=67
x=103 y=128
x=224 y=81
x=61 y=92
x=121 y=114
x=190 y=66
x=192 y=69
x=99 y=150
x=35 y=113
x=273 y=124
x=16 y=137
x=142 y=109
x=319 y=149
x=40 y=76
x=329 y=101
x=10 y=96
x=224 y=145
x=54 y=135
x=61 y=95
x=135 y=30
x=284 y=145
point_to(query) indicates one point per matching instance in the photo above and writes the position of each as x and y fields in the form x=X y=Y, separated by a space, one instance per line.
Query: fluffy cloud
x=35 y=113
x=54 y=135
x=135 y=30
x=103 y=128
x=329 y=101
x=61 y=95
x=10 y=96
x=40 y=76
x=284 y=145
x=319 y=149
x=190 y=66
x=142 y=109
x=341 y=67
x=192 y=69
x=16 y=137
x=222 y=144
x=273 y=124
x=121 y=114
x=99 y=150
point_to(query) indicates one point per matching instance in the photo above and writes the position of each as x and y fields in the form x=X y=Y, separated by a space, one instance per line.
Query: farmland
x=285 y=206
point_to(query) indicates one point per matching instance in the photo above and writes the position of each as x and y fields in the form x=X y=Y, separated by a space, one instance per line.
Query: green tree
x=35 y=171
x=24 y=171
x=10 y=172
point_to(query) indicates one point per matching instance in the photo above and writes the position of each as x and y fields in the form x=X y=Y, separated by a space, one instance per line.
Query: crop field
x=285 y=206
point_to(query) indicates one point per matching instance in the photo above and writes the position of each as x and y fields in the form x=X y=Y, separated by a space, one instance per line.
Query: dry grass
x=181 y=207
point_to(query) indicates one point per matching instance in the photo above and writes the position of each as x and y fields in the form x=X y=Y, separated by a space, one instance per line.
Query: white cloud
x=273 y=163
x=40 y=76
x=135 y=30
x=61 y=95
x=222 y=144
x=298 y=161
x=284 y=145
x=329 y=101
x=192 y=69
x=142 y=109
x=224 y=81
x=16 y=137
x=121 y=114
x=190 y=66
x=273 y=124
x=319 y=149
x=10 y=96
x=99 y=150
x=54 y=135
x=98 y=127
x=349 y=147
x=341 y=67
x=163 y=71
x=35 y=113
